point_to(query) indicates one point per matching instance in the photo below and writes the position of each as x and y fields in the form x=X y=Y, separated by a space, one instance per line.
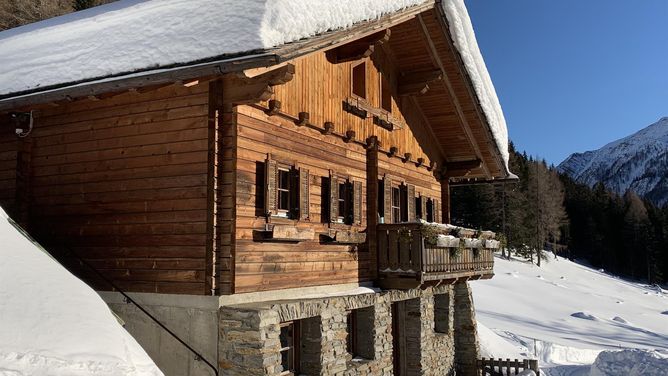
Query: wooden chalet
x=279 y=181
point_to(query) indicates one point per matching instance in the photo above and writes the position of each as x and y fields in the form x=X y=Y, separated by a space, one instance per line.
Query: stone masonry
x=249 y=334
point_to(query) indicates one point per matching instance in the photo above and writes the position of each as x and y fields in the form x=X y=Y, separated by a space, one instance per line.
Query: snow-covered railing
x=416 y=253
x=507 y=367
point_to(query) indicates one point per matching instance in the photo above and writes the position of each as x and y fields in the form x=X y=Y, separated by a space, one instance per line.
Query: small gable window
x=359 y=80
x=385 y=93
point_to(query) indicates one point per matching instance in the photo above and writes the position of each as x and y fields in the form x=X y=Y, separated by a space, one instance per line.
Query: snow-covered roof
x=51 y=323
x=132 y=36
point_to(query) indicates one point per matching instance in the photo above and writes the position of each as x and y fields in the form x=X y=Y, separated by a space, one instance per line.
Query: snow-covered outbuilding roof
x=51 y=323
x=135 y=38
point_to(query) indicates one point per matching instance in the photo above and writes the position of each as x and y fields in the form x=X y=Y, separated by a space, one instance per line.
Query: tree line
x=546 y=214
x=14 y=13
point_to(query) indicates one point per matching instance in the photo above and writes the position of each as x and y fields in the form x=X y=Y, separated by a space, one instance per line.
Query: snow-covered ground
x=53 y=324
x=565 y=314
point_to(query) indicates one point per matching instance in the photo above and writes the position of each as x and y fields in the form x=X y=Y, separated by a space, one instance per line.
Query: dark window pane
x=359 y=80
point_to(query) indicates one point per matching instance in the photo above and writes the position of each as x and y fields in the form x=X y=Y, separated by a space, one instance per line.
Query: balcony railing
x=412 y=254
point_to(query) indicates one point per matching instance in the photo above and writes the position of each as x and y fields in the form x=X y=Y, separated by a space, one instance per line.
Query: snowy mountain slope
x=51 y=323
x=566 y=314
x=638 y=162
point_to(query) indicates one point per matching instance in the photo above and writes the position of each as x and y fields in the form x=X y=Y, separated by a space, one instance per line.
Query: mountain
x=638 y=162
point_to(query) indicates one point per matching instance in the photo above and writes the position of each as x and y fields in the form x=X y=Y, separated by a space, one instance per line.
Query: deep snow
x=129 y=36
x=51 y=323
x=565 y=314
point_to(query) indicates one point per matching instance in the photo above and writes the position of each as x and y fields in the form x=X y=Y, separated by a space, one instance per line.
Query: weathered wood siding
x=320 y=88
x=265 y=265
x=123 y=182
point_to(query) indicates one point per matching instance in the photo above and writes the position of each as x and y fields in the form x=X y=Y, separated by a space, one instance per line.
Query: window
x=345 y=200
x=430 y=210
x=418 y=207
x=396 y=205
x=286 y=190
x=360 y=339
x=385 y=94
x=359 y=80
x=289 y=338
x=443 y=323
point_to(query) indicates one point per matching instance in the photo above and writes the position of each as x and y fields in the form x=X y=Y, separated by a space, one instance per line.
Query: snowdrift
x=51 y=323
x=566 y=314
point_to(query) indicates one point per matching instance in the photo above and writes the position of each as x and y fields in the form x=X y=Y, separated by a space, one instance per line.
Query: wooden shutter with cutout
x=304 y=192
x=423 y=203
x=387 y=197
x=357 y=202
x=270 y=187
x=437 y=211
x=410 y=193
x=333 y=197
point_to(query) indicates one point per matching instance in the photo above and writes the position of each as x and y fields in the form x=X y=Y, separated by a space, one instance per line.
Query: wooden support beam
x=445 y=200
x=247 y=90
x=417 y=83
x=461 y=168
x=358 y=49
x=372 y=202
x=433 y=52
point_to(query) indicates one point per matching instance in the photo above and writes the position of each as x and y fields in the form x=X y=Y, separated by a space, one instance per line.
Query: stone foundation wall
x=249 y=334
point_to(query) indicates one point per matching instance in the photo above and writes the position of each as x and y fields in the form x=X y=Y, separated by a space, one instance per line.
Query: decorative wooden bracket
x=240 y=89
x=350 y=136
x=417 y=83
x=393 y=151
x=274 y=107
x=372 y=143
x=407 y=157
x=329 y=128
x=420 y=162
x=432 y=165
x=359 y=48
x=303 y=119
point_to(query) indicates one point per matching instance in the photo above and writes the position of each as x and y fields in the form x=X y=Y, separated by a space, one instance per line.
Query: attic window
x=385 y=94
x=359 y=80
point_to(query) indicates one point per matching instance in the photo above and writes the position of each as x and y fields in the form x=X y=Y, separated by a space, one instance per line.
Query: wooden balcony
x=412 y=255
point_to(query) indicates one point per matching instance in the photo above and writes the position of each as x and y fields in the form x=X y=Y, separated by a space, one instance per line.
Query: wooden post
x=445 y=200
x=372 y=202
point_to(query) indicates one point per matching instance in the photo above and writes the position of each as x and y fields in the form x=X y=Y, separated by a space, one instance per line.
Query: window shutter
x=304 y=191
x=333 y=197
x=410 y=190
x=388 y=199
x=357 y=202
x=423 y=203
x=271 y=185
x=436 y=210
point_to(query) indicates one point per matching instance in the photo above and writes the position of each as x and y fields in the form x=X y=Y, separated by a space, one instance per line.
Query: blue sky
x=573 y=75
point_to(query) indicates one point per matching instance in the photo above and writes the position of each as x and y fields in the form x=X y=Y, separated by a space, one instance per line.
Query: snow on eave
x=132 y=36
x=463 y=37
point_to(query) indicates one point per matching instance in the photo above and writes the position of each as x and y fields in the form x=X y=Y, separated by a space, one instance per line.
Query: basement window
x=289 y=338
x=359 y=80
x=442 y=322
x=360 y=325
